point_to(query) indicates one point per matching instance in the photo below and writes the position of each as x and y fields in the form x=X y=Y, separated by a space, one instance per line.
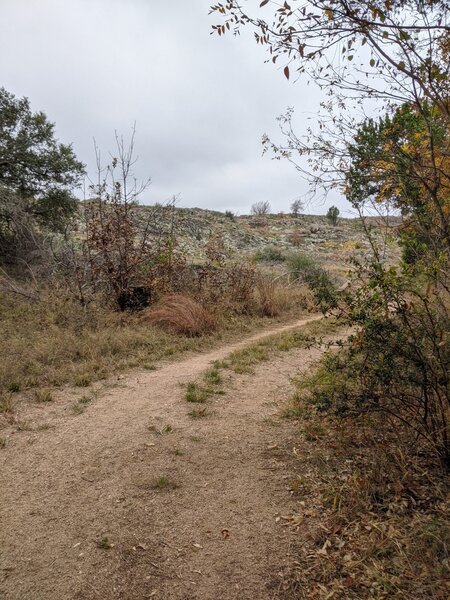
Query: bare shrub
x=297 y=207
x=119 y=244
x=240 y=283
x=227 y=288
x=296 y=239
x=182 y=315
x=260 y=208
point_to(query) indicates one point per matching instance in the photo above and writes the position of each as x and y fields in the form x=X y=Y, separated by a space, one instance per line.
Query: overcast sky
x=200 y=102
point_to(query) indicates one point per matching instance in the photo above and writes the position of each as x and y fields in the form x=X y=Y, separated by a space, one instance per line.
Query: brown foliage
x=296 y=239
x=230 y=288
x=271 y=299
x=376 y=518
x=182 y=315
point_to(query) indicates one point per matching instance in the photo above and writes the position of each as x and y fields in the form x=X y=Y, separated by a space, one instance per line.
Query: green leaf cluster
x=37 y=173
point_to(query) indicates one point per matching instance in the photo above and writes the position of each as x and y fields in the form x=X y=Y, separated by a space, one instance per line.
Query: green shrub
x=393 y=368
x=300 y=264
x=333 y=214
x=270 y=254
x=196 y=393
x=305 y=268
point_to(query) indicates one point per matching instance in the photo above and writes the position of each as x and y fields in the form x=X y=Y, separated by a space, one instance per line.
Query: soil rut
x=80 y=517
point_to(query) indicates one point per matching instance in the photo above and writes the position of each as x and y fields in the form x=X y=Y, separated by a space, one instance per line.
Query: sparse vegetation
x=160 y=430
x=104 y=543
x=377 y=517
x=270 y=254
x=85 y=399
x=60 y=342
x=163 y=483
x=43 y=395
x=243 y=361
x=196 y=393
x=78 y=408
x=198 y=413
x=6 y=403
x=212 y=376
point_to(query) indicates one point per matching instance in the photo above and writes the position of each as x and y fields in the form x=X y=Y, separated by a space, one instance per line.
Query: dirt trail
x=90 y=477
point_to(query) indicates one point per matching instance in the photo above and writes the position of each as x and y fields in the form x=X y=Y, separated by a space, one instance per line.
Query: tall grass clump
x=271 y=298
x=181 y=315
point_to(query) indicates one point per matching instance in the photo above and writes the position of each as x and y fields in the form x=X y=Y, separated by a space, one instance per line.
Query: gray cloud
x=201 y=103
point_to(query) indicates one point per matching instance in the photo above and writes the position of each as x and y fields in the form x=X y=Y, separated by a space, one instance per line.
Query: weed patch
x=77 y=408
x=212 y=376
x=43 y=395
x=6 y=403
x=243 y=361
x=104 y=543
x=85 y=400
x=198 y=413
x=160 y=430
x=196 y=393
x=163 y=484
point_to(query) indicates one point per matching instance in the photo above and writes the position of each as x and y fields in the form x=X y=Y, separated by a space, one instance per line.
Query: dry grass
x=6 y=403
x=163 y=484
x=375 y=516
x=43 y=395
x=271 y=298
x=55 y=341
x=180 y=315
x=244 y=361
x=198 y=413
